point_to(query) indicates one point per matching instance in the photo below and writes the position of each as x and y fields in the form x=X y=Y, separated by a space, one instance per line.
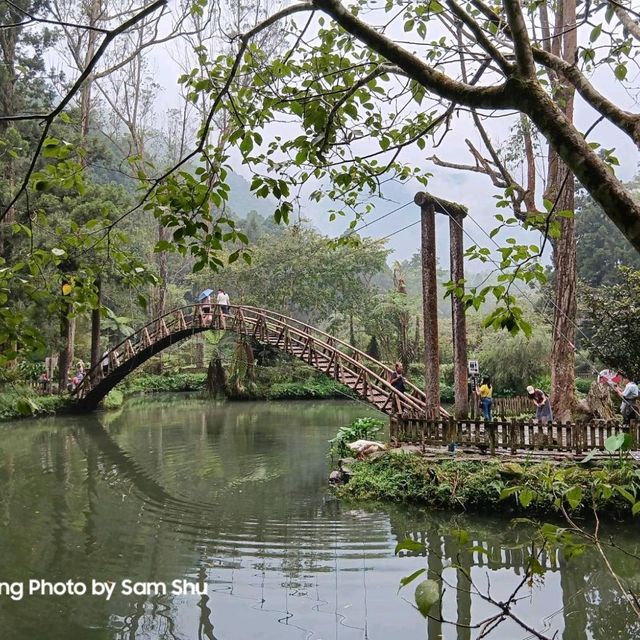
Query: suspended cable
x=524 y=295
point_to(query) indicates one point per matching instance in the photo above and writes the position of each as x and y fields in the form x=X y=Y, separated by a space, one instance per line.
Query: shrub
x=19 y=401
x=113 y=400
x=583 y=384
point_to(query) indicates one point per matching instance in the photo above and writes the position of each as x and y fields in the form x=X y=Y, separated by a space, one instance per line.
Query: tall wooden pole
x=95 y=326
x=458 y=318
x=430 y=305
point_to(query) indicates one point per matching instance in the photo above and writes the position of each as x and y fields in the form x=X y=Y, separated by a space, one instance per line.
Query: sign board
x=473 y=367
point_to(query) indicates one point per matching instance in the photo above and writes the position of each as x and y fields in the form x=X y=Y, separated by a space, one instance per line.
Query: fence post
x=492 y=438
x=577 y=429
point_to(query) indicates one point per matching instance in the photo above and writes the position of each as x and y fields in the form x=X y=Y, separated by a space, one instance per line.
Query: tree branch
x=480 y=36
x=111 y=35
x=520 y=38
x=490 y=97
x=627 y=21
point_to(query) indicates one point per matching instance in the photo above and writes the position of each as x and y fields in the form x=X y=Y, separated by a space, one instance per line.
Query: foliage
x=113 y=400
x=359 y=429
x=18 y=401
x=513 y=362
x=613 y=326
x=530 y=488
x=299 y=273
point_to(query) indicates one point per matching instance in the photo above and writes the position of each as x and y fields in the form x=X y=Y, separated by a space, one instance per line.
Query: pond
x=232 y=498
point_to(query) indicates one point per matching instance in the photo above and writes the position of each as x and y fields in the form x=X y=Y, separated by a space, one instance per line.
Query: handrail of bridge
x=416 y=391
x=277 y=319
x=353 y=361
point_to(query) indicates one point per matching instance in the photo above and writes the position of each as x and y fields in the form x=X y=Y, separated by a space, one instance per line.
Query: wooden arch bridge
x=364 y=375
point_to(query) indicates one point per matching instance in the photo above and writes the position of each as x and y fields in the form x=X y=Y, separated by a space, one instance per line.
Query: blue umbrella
x=206 y=293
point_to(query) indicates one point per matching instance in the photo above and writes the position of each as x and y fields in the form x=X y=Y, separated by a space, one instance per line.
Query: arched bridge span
x=333 y=357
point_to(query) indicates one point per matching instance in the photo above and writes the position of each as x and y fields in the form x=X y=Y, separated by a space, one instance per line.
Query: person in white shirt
x=223 y=301
x=629 y=397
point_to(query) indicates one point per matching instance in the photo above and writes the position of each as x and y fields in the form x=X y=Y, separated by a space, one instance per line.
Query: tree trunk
x=199 y=355
x=216 y=378
x=8 y=44
x=67 y=335
x=95 y=326
x=561 y=187
x=458 y=318
x=563 y=359
x=352 y=333
x=158 y=308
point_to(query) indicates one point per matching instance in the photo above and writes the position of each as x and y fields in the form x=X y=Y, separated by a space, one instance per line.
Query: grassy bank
x=284 y=381
x=22 y=401
x=531 y=489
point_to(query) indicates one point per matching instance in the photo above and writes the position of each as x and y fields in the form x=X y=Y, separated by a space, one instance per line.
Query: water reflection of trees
x=176 y=494
x=590 y=603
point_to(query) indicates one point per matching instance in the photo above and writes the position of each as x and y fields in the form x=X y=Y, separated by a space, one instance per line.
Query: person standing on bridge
x=223 y=301
x=629 y=398
x=397 y=378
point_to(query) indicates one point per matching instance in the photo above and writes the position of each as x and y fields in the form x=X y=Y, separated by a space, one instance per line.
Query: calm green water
x=233 y=499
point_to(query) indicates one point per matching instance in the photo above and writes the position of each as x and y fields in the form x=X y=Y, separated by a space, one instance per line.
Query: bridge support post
x=458 y=316
x=429 y=305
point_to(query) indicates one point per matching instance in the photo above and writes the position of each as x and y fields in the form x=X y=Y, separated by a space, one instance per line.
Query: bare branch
x=520 y=38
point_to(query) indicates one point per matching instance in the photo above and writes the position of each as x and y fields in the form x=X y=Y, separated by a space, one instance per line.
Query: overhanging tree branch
x=493 y=97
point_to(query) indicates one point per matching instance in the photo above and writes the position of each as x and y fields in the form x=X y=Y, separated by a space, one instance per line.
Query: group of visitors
x=540 y=400
x=484 y=392
x=626 y=388
x=75 y=379
x=222 y=300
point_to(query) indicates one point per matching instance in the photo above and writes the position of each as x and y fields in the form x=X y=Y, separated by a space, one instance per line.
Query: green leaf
x=589 y=456
x=636 y=508
x=410 y=545
x=626 y=494
x=427 y=594
x=614 y=443
x=526 y=497
x=479 y=549
x=574 y=496
x=407 y=579
x=595 y=33
x=620 y=71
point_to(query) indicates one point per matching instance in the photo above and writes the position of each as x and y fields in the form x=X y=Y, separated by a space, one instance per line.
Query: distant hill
x=242 y=201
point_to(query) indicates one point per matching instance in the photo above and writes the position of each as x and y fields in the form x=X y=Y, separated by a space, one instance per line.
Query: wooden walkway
x=514 y=436
x=333 y=357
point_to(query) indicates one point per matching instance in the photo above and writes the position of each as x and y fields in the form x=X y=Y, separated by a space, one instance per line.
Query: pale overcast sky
x=471 y=189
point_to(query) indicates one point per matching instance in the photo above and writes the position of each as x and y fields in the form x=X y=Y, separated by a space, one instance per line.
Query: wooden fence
x=511 y=435
x=505 y=407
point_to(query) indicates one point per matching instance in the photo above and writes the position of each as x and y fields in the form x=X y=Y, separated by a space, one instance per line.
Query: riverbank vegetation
x=519 y=488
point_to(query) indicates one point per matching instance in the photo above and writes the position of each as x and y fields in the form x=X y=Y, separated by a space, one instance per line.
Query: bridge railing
x=406 y=402
x=192 y=318
x=361 y=356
